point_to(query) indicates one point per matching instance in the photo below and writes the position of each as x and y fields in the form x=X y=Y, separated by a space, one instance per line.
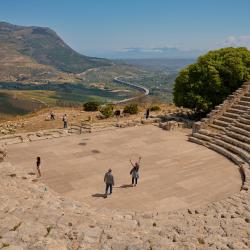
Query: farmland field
x=19 y=99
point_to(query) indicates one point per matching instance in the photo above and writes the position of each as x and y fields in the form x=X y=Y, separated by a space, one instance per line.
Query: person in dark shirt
x=147 y=114
x=38 y=166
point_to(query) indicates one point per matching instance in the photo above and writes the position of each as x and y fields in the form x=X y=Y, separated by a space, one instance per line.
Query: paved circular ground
x=174 y=173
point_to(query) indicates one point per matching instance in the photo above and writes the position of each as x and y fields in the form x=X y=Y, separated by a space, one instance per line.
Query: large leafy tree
x=214 y=76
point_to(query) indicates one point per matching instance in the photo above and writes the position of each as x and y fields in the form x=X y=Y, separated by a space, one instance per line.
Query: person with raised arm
x=134 y=172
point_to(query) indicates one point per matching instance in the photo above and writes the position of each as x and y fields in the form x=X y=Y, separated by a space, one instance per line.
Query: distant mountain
x=149 y=53
x=40 y=49
x=170 y=65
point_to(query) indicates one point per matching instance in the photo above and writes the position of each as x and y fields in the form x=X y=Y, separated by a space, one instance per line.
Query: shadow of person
x=126 y=186
x=95 y=151
x=98 y=195
x=82 y=143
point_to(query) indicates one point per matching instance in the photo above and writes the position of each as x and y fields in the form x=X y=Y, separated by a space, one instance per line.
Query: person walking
x=65 y=121
x=134 y=172
x=117 y=115
x=38 y=166
x=147 y=114
x=109 y=180
x=52 y=115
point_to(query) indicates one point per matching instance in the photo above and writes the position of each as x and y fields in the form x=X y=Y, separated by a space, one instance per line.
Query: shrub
x=155 y=108
x=107 y=111
x=203 y=85
x=131 y=109
x=91 y=106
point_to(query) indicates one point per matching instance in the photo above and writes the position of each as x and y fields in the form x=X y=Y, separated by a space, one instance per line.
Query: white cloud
x=237 y=41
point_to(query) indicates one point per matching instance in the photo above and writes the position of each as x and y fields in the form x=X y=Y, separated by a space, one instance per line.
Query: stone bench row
x=240 y=149
x=237 y=103
x=219 y=149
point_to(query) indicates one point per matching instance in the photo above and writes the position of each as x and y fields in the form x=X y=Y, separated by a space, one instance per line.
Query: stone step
x=246 y=115
x=239 y=137
x=239 y=131
x=207 y=132
x=244 y=120
x=240 y=107
x=231 y=115
x=242 y=126
x=247 y=95
x=226 y=119
x=244 y=103
x=236 y=111
x=221 y=150
x=238 y=151
x=198 y=141
x=235 y=142
x=217 y=127
x=245 y=98
x=221 y=123
x=202 y=137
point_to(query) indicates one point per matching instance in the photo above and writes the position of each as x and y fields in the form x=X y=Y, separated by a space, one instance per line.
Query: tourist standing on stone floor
x=38 y=166
x=109 y=180
x=147 y=114
x=65 y=121
x=117 y=115
x=52 y=115
x=135 y=172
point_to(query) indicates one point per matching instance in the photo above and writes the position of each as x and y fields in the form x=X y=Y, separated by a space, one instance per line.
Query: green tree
x=91 y=106
x=107 y=111
x=131 y=109
x=214 y=76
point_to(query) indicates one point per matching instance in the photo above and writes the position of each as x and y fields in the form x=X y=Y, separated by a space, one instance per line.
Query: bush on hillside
x=91 y=106
x=203 y=85
x=131 y=109
x=107 y=111
x=155 y=108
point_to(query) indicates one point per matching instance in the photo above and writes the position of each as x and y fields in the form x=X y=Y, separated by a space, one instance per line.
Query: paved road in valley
x=144 y=91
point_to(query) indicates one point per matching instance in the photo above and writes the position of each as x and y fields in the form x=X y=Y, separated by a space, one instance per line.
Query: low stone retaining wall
x=34 y=136
x=3 y=152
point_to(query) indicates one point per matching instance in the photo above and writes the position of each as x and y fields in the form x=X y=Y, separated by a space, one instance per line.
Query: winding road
x=140 y=88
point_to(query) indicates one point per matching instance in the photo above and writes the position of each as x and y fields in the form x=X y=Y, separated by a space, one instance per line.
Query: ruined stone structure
x=35 y=217
x=227 y=129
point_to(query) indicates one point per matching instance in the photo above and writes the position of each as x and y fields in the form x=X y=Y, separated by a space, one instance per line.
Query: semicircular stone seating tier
x=226 y=129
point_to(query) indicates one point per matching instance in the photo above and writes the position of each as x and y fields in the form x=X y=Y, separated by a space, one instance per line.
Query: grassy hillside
x=36 y=53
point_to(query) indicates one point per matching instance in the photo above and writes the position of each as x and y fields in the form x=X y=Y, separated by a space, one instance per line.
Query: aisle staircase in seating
x=227 y=128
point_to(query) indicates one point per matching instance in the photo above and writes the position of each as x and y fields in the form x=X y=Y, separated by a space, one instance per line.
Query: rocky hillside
x=36 y=52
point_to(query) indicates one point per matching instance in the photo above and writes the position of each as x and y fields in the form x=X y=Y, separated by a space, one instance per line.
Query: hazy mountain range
x=148 y=53
x=38 y=54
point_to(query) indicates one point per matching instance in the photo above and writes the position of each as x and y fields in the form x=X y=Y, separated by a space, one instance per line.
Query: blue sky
x=96 y=27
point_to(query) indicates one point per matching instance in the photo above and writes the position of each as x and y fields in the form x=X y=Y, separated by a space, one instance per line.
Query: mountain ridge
x=39 y=47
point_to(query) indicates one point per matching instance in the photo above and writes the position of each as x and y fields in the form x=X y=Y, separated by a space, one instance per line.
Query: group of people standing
x=64 y=119
x=109 y=178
